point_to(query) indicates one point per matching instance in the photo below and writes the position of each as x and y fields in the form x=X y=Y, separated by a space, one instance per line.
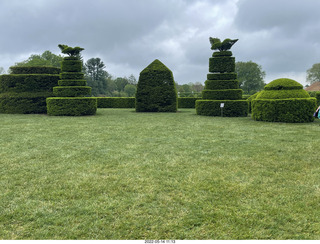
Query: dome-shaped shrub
x=283 y=100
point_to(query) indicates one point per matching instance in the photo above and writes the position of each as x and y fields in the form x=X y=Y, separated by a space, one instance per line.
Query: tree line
x=250 y=77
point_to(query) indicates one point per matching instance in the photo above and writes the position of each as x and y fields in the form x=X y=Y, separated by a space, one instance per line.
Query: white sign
x=221 y=105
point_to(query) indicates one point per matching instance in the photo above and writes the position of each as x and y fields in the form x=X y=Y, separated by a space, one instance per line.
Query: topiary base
x=24 y=103
x=292 y=110
x=232 y=108
x=71 y=106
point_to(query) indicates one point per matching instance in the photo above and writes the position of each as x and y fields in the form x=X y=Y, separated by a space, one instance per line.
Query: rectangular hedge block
x=116 y=102
x=235 y=108
x=222 y=64
x=228 y=94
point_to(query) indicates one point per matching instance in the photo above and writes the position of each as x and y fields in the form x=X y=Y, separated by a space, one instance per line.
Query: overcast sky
x=283 y=36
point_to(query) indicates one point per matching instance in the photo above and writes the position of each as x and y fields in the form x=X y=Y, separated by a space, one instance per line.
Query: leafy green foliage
x=71 y=91
x=116 y=102
x=216 y=44
x=283 y=84
x=313 y=74
x=34 y=70
x=71 y=65
x=71 y=106
x=232 y=108
x=222 y=76
x=294 y=110
x=250 y=76
x=187 y=102
x=222 y=64
x=156 y=90
x=71 y=51
x=47 y=58
x=227 y=94
x=221 y=84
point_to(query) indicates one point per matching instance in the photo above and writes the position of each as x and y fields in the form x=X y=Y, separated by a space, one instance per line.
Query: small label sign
x=221 y=105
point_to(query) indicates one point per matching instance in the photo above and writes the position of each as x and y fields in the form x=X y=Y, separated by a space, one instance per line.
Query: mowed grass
x=127 y=175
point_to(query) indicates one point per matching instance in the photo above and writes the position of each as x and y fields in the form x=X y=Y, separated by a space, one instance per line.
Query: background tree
x=97 y=78
x=130 y=90
x=47 y=58
x=2 y=70
x=250 y=76
x=313 y=74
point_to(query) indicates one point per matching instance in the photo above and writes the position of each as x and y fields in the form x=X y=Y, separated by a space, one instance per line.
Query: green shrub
x=156 y=90
x=232 y=108
x=71 y=91
x=72 y=82
x=187 y=102
x=228 y=94
x=71 y=76
x=222 y=64
x=71 y=106
x=318 y=98
x=222 y=53
x=222 y=76
x=246 y=96
x=71 y=65
x=292 y=110
x=221 y=84
x=28 y=82
x=34 y=70
x=24 y=103
x=251 y=98
x=283 y=84
x=282 y=94
x=116 y=102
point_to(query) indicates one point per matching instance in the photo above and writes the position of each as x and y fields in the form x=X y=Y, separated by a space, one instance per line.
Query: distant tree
x=45 y=59
x=121 y=83
x=250 y=76
x=130 y=90
x=132 y=80
x=2 y=70
x=197 y=87
x=313 y=74
x=96 y=76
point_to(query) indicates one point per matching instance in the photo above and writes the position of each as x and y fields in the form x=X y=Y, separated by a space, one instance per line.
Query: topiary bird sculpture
x=216 y=44
x=71 y=51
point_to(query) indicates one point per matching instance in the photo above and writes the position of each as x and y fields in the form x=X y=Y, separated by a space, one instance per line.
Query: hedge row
x=34 y=70
x=24 y=102
x=72 y=106
x=232 y=108
x=28 y=82
x=299 y=110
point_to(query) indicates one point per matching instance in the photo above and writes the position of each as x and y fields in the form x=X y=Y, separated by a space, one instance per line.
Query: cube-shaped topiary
x=156 y=90
x=283 y=100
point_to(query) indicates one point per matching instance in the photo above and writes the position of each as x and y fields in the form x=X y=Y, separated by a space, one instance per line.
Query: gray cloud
x=280 y=35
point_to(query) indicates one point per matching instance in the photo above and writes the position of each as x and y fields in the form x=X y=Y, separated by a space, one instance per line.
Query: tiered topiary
x=70 y=94
x=222 y=86
x=156 y=90
x=284 y=100
x=25 y=90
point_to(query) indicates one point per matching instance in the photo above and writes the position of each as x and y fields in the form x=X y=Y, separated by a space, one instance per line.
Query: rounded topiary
x=26 y=92
x=156 y=90
x=283 y=100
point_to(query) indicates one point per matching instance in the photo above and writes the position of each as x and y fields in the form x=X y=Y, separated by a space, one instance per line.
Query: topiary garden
x=283 y=100
x=156 y=90
x=221 y=94
x=70 y=95
x=25 y=90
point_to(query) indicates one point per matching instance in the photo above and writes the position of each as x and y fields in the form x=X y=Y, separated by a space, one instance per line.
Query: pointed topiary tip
x=156 y=65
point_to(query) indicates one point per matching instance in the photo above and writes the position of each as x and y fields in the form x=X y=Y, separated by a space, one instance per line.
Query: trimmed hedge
x=222 y=53
x=187 y=102
x=315 y=94
x=71 y=106
x=298 y=110
x=221 y=84
x=228 y=94
x=72 y=82
x=282 y=94
x=71 y=65
x=116 y=102
x=283 y=84
x=24 y=103
x=28 y=82
x=232 y=108
x=222 y=64
x=156 y=90
x=71 y=76
x=71 y=91
x=222 y=76
x=34 y=70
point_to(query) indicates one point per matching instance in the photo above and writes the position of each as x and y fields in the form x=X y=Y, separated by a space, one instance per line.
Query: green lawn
x=127 y=175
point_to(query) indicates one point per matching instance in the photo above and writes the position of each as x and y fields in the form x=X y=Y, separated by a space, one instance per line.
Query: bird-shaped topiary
x=71 y=51
x=216 y=44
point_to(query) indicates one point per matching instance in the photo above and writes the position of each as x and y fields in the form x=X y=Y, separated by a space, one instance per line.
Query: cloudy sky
x=283 y=36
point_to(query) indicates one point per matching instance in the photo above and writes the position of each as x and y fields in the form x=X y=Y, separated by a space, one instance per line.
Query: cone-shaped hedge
x=70 y=95
x=156 y=90
x=25 y=90
x=222 y=87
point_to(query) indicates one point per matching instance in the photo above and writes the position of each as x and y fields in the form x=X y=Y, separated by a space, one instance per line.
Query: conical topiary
x=156 y=90
x=221 y=94
x=70 y=94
